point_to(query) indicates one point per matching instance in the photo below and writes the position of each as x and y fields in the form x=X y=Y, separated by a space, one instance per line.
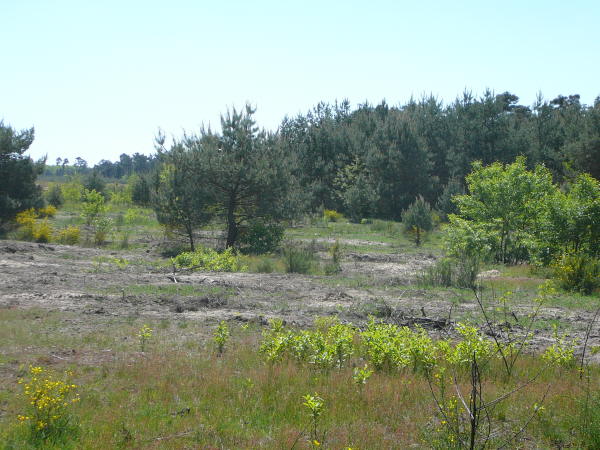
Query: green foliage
x=316 y=407
x=181 y=200
x=95 y=182
x=389 y=347
x=570 y=221
x=332 y=216
x=54 y=195
x=561 y=353
x=18 y=174
x=417 y=218
x=298 y=259
x=47 y=211
x=473 y=345
x=102 y=226
x=328 y=346
x=501 y=212
x=357 y=194
x=209 y=260
x=335 y=265
x=221 y=336
x=259 y=238
x=244 y=172
x=578 y=272
x=139 y=189
x=93 y=206
x=48 y=400
x=72 y=190
x=144 y=335
x=361 y=375
x=460 y=272
x=32 y=229
x=69 y=235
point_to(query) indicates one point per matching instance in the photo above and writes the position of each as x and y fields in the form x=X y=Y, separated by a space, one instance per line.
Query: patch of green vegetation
x=185 y=290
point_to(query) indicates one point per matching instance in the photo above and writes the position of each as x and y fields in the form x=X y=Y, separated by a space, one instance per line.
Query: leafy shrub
x=69 y=235
x=298 y=259
x=578 y=272
x=332 y=216
x=265 y=265
x=473 y=344
x=32 y=229
x=72 y=191
x=93 y=206
x=122 y=197
x=221 y=336
x=389 y=347
x=102 y=227
x=42 y=231
x=385 y=226
x=48 y=211
x=452 y=272
x=334 y=266
x=209 y=260
x=417 y=219
x=48 y=400
x=260 y=238
x=27 y=220
x=144 y=335
x=54 y=196
x=330 y=345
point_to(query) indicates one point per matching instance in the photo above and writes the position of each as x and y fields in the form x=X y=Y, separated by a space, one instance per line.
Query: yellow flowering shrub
x=27 y=220
x=48 y=211
x=48 y=401
x=69 y=235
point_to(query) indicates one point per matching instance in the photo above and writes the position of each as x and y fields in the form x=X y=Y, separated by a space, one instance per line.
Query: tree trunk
x=232 y=228
x=190 y=233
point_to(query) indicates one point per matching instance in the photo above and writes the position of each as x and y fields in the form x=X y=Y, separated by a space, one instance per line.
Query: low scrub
x=332 y=216
x=69 y=235
x=452 y=272
x=578 y=272
x=299 y=259
x=209 y=260
x=260 y=238
x=33 y=229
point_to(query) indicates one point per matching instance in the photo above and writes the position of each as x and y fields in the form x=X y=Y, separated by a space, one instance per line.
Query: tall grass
x=181 y=394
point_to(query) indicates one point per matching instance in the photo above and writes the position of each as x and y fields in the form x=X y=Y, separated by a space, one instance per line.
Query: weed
x=298 y=259
x=210 y=260
x=316 y=407
x=221 y=336
x=48 y=402
x=144 y=335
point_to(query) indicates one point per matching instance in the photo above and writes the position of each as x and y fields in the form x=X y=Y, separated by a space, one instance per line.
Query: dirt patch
x=91 y=284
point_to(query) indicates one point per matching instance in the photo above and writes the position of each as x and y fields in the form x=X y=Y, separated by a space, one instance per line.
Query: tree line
x=369 y=162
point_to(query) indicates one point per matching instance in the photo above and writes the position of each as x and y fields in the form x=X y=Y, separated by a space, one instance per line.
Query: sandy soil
x=89 y=283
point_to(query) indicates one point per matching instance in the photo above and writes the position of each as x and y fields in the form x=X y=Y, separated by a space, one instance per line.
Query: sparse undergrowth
x=180 y=393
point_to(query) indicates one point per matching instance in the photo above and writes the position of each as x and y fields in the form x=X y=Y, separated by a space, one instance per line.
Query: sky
x=97 y=79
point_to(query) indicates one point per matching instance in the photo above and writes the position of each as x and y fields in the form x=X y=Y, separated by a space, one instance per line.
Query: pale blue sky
x=98 y=79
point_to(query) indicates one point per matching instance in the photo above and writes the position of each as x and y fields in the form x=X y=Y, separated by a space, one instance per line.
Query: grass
x=168 y=289
x=180 y=394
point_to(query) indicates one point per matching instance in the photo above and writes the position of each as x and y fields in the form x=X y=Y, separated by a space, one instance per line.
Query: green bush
x=102 y=227
x=578 y=272
x=69 y=235
x=265 y=266
x=458 y=272
x=209 y=260
x=54 y=195
x=298 y=259
x=42 y=231
x=260 y=238
x=332 y=216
